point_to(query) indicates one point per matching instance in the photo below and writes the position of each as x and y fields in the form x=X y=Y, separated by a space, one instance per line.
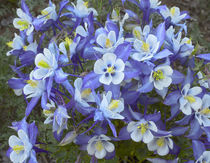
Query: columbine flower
x=49 y=13
x=110 y=68
x=108 y=42
x=141 y=130
x=203 y=114
x=34 y=88
x=140 y=34
x=82 y=96
x=24 y=22
x=161 y=76
x=81 y=9
x=60 y=119
x=49 y=113
x=202 y=81
x=161 y=145
x=204 y=158
x=174 y=13
x=99 y=146
x=189 y=99
x=21 y=147
x=109 y=108
x=145 y=50
x=46 y=64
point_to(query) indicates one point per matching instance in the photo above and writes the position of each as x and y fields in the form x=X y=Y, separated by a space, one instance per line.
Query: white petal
x=112 y=36
x=119 y=65
x=105 y=80
x=91 y=148
x=81 y=31
x=109 y=146
x=78 y=83
x=99 y=67
x=131 y=126
x=14 y=140
x=118 y=77
x=162 y=151
x=152 y=126
x=100 y=154
x=137 y=45
x=40 y=73
x=197 y=104
x=194 y=91
x=14 y=157
x=167 y=70
x=109 y=58
x=152 y=146
x=147 y=137
x=101 y=40
x=136 y=135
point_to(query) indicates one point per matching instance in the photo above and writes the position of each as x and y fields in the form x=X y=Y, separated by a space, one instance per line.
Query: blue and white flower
x=49 y=13
x=109 y=108
x=24 y=22
x=202 y=81
x=161 y=145
x=81 y=9
x=108 y=42
x=203 y=114
x=34 y=88
x=161 y=76
x=204 y=158
x=140 y=131
x=189 y=99
x=46 y=65
x=49 y=113
x=21 y=147
x=145 y=50
x=110 y=69
x=174 y=13
x=82 y=96
x=99 y=146
x=60 y=119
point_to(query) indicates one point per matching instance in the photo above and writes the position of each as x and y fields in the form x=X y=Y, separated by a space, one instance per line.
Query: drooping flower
x=49 y=113
x=82 y=96
x=24 y=22
x=99 y=146
x=202 y=81
x=189 y=99
x=161 y=145
x=161 y=76
x=140 y=131
x=110 y=68
x=203 y=114
x=46 y=65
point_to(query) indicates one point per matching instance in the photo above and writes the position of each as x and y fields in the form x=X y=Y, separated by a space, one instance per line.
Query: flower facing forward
x=46 y=64
x=145 y=50
x=161 y=145
x=110 y=69
x=203 y=114
x=140 y=131
x=99 y=146
x=21 y=147
x=24 y=22
x=189 y=99
x=161 y=76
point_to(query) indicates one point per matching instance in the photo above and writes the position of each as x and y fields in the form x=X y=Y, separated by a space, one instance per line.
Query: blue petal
x=162 y=54
x=115 y=89
x=31 y=105
x=195 y=131
x=33 y=131
x=172 y=98
x=198 y=148
x=177 y=77
x=161 y=33
x=147 y=87
x=112 y=128
x=123 y=51
x=177 y=131
x=60 y=76
x=124 y=134
x=15 y=83
x=25 y=7
x=91 y=80
x=69 y=87
x=204 y=56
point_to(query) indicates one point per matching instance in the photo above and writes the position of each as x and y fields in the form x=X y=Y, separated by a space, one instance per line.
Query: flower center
x=9 y=44
x=99 y=146
x=137 y=34
x=86 y=4
x=47 y=112
x=45 y=13
x=158 y=75
x=25 y=47
x=43 y=64
x=24 y=24
x=188 y=41
x=172 y=11
x=190 y=99
x=32 y=83
x=114 y=104
x=205 y=111
x=111 y=69
x=68 y=42
x=145 y=46
x=18 y=148
x=108 y=43
x=86 y=93
x=160 y=142
x=143 y=127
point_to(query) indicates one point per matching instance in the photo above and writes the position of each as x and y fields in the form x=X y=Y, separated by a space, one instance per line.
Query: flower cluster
x=134 y=77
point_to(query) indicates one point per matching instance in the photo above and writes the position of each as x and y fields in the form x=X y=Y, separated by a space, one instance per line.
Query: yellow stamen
x=160 y=142
x=145 y=46
x=190 y=99
x=44 y=13
x=189 y=41
x=111 y=69
x=143 y=127
x=99 y=146
x=48 y=112
x=25 y=47
x=9 y=44
x=158 y=75
x=114 y=104
x=205 y=111
x=86 y=93
x=68 y=42
x=108 y=43
x=24 y=24
x=172 y=11
x=32 y=83
x=18 y=148
x=137 y=34
x=86 y=4
x=43 y=64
